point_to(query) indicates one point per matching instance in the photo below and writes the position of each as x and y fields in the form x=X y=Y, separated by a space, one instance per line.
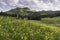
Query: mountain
x=22 y=11
x=17 y=10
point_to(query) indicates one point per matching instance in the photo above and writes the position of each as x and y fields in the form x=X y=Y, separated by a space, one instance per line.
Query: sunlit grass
x=17 y=29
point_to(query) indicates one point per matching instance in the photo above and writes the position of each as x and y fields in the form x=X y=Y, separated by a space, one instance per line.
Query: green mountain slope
x=19 y=10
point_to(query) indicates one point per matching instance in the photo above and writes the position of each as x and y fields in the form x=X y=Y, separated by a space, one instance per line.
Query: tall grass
x=17 y=29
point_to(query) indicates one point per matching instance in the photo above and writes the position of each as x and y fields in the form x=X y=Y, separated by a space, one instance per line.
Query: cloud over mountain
x=32 y=4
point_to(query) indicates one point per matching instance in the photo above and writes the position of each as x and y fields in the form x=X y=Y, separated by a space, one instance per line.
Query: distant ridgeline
x=30 y=14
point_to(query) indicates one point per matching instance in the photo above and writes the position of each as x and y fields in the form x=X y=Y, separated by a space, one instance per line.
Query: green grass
x=52 y=21
x=17 y=29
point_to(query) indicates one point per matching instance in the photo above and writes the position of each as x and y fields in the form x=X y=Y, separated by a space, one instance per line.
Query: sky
x=37 y=5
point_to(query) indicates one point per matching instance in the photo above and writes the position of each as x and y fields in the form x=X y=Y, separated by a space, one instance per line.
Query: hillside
x=30 y=14
x=19 y=10
x=52 y=21
x=28 y=25
x=17 y=29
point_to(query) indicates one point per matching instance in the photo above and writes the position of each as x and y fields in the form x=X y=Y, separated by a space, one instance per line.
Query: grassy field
x=17 y=29
x=52 y=21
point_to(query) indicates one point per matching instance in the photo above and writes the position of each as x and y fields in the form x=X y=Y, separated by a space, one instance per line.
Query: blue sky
x=6 y=5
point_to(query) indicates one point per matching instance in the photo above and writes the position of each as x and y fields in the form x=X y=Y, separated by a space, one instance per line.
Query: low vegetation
x=24 y=24
x=17 y=29
x=52 y=21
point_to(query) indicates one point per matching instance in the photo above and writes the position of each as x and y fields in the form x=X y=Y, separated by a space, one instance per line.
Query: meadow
x=52 y=21
x=17 y=29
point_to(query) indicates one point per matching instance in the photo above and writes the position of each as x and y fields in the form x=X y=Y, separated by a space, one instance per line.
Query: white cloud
x=32 y=4
x=3 y=3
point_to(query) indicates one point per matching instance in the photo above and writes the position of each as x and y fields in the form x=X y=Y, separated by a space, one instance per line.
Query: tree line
x=32 y=15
